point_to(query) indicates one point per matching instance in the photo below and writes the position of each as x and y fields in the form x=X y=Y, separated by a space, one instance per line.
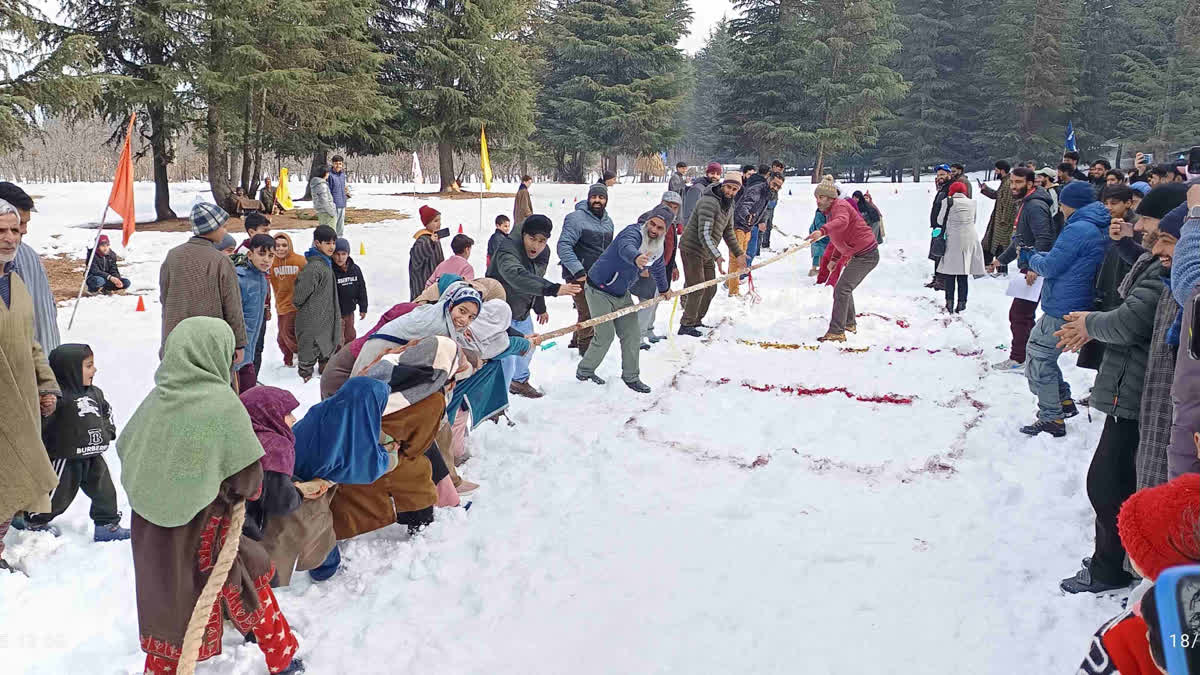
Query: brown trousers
x=348 y=333
x=743 y=238
x=287 y=337
x=583 y=336
x=697 y=269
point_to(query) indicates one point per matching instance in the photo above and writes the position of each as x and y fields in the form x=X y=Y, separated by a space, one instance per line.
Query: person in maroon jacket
x=856 y=253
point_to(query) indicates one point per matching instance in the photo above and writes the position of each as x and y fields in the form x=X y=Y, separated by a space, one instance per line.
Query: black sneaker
x=690 y=330
x=638 y=386
x=962 y=304
x=1069 y=408
x=589 y=378
x=1083 y=582
x=1056 y=428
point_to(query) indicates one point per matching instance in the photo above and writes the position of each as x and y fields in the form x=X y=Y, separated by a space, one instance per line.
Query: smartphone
x=1177 y=604
x=1148 y=158
x=443 y=233
x=1193 y=165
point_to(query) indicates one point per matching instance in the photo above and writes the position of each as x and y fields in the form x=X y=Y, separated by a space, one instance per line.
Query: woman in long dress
x=964 y=253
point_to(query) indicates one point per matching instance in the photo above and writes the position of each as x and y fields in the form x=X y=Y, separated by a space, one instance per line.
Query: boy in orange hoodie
x=284 y=269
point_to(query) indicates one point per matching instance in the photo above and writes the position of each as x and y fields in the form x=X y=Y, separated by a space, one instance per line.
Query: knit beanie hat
x=1141 y=187
x=713 y=167
x=207 y=217
x=1172 y=223
x=957 y=188
x=1159 y=201
x=671 y=197
x=537 y=224
x=1077 y=194
x=826 y=189
x=102 y=240
x=598 y=189
x=663 y=213
x=734 y=177
x=227 y=242
x=342 y=245
x=428 y=213
x=1158 y=525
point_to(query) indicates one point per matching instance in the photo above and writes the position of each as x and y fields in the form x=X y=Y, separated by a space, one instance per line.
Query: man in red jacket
x=855 y=250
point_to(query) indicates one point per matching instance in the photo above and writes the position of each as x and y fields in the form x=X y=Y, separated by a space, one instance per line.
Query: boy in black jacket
x=351 y=288
x=76 y=436
x=503 y=226
x=103 y=275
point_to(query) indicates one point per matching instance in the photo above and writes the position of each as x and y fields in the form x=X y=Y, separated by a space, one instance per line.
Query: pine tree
x=145 y=43
x=614 y=80
x=454 y=67
x=710 y=89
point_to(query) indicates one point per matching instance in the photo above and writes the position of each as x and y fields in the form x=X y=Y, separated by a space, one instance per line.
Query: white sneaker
x=1009 y=366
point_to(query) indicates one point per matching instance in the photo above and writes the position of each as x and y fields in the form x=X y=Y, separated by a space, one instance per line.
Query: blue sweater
x=337 y=186
x=1070 y=266
x=253 y=285
x=615 y=271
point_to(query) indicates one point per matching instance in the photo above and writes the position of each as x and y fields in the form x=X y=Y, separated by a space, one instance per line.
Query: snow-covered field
x=704 y=528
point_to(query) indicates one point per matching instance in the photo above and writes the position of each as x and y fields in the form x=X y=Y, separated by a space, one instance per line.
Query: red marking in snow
x=823 y=391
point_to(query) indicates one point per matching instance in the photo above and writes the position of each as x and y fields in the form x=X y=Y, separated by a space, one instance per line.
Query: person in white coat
x=964 y=254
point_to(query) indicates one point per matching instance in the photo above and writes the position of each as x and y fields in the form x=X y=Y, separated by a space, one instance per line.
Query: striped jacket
x=45 y=312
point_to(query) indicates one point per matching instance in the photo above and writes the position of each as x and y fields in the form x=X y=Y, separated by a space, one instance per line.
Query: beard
x=652 y=247
x=597 y=210
x=6 y=258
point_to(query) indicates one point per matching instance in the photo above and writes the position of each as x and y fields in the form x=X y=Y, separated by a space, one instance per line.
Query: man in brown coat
x=522 y=205
x=27 y=391
x=1000 y=226
x=198 y=280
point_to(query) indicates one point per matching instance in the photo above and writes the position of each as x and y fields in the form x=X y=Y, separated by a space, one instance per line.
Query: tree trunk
x=819 y=167
x=258 y=139
x=246 y=156
x=318 y=161
x=445 y=165
x=218 y=167
x=160 y=157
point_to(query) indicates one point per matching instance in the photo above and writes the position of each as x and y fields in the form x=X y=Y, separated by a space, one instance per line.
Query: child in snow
x=256 y=223
x=284 y=269
x=103 y=276
x=318 y=319
x=503 y=226
x=227 y=245
x=252 y=281
x=290 y=518
x=818 y=247
x=458 y=263
x=76 y=435
x=351 y=289
x=426 y=253
x=189 y=460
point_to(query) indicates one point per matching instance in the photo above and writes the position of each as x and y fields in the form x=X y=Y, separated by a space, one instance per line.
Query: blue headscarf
x=338 y=439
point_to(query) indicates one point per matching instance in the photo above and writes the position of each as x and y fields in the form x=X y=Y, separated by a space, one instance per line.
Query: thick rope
x=595 y=321
x=194 y=635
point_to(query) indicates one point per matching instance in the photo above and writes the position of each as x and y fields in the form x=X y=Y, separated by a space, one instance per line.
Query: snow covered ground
x=705 y=528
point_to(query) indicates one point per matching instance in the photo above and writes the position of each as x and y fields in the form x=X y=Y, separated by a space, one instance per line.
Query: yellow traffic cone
x=362 y=248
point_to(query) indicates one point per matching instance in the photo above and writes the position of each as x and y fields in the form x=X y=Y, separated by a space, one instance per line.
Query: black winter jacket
x=523 y=279
x=104 y=265
x=351 y=288
x=1033 y=226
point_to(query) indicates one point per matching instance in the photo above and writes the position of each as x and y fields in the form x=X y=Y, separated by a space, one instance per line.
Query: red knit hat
x=428 y=213
x=1158 y=525
x=102 y=240
x=957 y=188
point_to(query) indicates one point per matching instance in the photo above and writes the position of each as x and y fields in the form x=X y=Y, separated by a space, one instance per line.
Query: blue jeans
x=752 y=247
x=96 y=282
x=516 y=368
x=1042 y=371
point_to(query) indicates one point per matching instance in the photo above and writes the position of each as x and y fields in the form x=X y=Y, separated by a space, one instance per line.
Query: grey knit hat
x=672 y=197
x=598 y=189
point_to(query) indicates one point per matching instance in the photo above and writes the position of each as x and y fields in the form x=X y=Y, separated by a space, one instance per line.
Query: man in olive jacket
x=711 y=222
x=1112 y=476
x=1000 y=226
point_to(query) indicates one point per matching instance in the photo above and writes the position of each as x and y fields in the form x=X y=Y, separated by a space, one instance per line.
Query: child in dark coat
x=351 y=289
x=76 y=436
x=103 y=275
x=503 y=226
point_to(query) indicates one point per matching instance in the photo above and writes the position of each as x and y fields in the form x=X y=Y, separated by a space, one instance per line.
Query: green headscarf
x=191 y=432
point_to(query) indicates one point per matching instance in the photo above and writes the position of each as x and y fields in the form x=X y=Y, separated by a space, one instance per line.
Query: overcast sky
x=705 y=15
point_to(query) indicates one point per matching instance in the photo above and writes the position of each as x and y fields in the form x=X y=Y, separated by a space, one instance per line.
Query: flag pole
x=88 y=267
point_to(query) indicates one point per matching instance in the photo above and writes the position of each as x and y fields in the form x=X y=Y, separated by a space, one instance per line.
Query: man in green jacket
x=1000 y=226
x=711 y=222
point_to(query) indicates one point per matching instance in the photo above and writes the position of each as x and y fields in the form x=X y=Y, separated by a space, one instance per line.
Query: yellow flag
x=283 y=195
x=483 y=159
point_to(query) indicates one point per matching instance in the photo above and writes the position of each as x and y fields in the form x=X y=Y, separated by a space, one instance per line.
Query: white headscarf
x=489 y=330
x=422 y=322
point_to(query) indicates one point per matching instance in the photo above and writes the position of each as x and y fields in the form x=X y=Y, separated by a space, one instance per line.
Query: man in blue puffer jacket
x=637 y=247
x=1069 y=269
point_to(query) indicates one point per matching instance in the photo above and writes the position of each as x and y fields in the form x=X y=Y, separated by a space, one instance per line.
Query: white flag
x=418 y=177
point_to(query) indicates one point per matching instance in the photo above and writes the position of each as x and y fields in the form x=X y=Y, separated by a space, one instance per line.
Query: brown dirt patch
x=293 y=220
x=457 y=195
x=65 y=274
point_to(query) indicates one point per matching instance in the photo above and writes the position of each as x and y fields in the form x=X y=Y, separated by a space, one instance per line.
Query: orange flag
x=121 y=198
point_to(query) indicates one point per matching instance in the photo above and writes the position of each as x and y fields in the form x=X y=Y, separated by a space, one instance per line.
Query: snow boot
x=814 y=271
x=1056 y=428
x=589 y=378
x=962 y=305
x=415 y=520
x=638 y=386
x=5 y=567
x=832 y=337
x=327 y=568
x=654 y=338
x=1069 y=409
x=467 y=487
x=524 y=389
x=294 y=668
x=852 y=328
x=689 y=330
x=23 y=524
x=112 y=532
x=1083 y=582
x=645 y=346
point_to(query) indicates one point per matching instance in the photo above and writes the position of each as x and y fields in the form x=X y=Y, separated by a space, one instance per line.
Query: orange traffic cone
x=141 y=306
x=362 y=248
x=460 y=228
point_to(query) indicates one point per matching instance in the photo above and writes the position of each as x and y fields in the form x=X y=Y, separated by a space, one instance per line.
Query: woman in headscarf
x=450 y=317
x=870 y=213
x=189 y=455
x=290 y=518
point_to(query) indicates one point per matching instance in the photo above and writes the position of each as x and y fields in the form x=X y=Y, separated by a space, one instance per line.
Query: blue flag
x=1071 y=137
